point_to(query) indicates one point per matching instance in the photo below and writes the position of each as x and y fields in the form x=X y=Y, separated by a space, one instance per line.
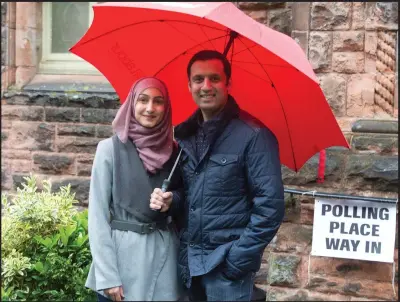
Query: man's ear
x=229 y=84
x=190 y=88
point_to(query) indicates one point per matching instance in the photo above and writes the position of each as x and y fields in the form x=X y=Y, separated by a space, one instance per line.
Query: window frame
x=61 y=63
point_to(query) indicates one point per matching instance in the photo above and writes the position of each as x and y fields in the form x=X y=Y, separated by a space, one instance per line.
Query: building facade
x=56 y=108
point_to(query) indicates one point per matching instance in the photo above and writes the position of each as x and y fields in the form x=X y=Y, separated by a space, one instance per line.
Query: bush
x=44 y=246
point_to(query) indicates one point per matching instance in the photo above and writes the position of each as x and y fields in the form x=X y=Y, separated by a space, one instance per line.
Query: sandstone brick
x=25 y=17
x=330 y=15
x=103 y=101
x=334 y=88
x=285 y=294
x=84 y=170
x=307 y=213
x=31 y=136
x=372 y=172
x=345 y=123
x=376 y=143
x=39 y=17
x=280 y=20
x=50 y=163
x=292 y=211
x=358 y=19
x=77 y=144
x=351 y=269
x=6 y=178
x=100 y=116
x=21 y=166
x=104 y=131
x=18 y=180
x=262 y=274
x=320 y=51
x=25 y=47
x=348 y=62
x=370 y=64
x=381 y=15
x=22 y=113
x=352 y=287
x=54 y=114
x=260 y=5
x=258 y=15
x=76 y=130
x=360 y=95
x=85 y=158
x=307 y=175
x=24 y=75
x=5 y=125
x=293 y=238
x=301 y=37
x=371 y=42
x=15 y=154
x=301 y=15
x=4 y=135
x=79 y=185
x=11 y=45
x=282 y=270
x=348 y=41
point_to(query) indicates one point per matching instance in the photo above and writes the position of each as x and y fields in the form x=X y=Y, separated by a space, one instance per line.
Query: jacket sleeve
x=263 y=169
x=101 y=243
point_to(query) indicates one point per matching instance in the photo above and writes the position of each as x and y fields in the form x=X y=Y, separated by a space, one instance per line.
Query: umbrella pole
x=232 y=36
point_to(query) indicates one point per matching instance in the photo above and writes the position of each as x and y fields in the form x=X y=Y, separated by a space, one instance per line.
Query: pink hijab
x=154 y=145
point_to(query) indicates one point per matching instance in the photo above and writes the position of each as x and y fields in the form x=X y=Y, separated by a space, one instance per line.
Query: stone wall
x=7 y=44
x=54 y=134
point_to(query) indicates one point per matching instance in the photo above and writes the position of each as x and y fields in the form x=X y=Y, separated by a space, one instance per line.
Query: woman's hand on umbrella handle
x=115 y=293
x=160 y=200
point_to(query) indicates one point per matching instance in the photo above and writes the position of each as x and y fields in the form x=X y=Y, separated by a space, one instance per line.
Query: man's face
x=208 y=85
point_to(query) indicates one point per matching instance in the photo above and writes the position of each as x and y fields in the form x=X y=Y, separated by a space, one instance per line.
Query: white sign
x=354 y=229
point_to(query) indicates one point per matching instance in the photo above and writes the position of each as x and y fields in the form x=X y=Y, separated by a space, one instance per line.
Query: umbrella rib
x=147 y=21
x=253 y=74
x=265 y=64
x=208 y=38
x=181 y=32
x=185 y=51
x=280 y=101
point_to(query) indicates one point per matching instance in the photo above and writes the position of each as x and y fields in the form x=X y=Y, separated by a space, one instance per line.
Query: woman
x=134 y=248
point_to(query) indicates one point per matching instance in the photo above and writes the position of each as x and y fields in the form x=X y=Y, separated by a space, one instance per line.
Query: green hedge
x=44 y=245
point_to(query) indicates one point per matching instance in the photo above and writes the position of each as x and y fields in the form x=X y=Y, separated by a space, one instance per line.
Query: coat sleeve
x=263 y=169
x=101 y=243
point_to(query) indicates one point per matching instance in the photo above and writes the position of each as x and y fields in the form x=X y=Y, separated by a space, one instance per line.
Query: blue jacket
x=232 y=201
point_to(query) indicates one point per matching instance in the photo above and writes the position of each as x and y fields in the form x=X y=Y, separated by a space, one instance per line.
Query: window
x=64 y=23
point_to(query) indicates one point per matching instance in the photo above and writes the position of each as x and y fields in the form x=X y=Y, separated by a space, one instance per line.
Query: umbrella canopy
x=271 y=76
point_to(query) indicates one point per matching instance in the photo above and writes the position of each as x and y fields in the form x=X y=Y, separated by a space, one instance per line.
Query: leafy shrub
x=44 y=245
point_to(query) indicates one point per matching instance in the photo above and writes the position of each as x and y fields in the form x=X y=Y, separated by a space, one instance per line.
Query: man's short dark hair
x=204 y=55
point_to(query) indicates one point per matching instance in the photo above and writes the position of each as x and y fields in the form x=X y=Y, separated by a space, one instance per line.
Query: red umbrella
x=271 y=77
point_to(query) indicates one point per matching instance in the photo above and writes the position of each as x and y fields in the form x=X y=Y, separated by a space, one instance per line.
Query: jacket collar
x=214 y=127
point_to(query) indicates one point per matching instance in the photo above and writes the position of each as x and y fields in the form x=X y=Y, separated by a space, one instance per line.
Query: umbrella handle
x=165 y=185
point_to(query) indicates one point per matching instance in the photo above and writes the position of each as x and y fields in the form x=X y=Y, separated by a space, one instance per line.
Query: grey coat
x=144 y=264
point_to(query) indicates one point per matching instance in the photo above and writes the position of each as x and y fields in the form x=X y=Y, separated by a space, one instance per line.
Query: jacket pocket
x=225 y=235
x=224 y=159
x=224 y=174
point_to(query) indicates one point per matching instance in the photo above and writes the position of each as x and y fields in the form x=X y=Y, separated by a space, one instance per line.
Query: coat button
x=196 y=173
x=192 y=209
x=191 y=245
x=223 y=160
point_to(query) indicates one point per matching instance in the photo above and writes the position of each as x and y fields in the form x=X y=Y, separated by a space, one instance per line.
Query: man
x=232 y=197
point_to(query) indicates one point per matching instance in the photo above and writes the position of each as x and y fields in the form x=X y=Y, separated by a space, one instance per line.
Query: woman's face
x=150 y=107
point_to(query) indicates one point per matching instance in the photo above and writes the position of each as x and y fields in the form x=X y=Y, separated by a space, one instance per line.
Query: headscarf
x=154 y=145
